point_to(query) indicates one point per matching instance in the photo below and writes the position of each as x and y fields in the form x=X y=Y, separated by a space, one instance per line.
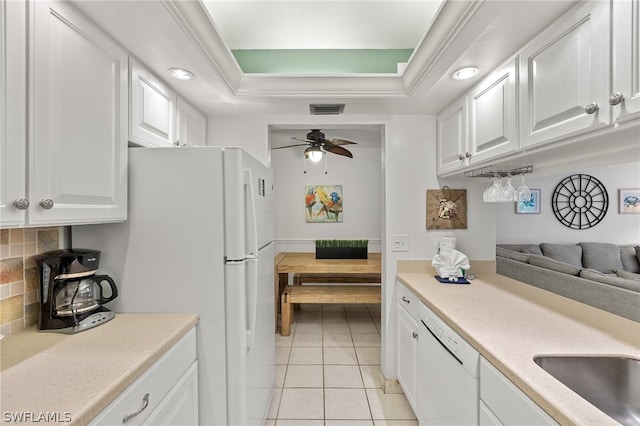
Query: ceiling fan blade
x=290 y=146
x=340 y=142
x=303 y=140
x=335 y=149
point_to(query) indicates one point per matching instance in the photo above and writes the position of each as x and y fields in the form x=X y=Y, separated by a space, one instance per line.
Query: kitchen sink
x=610 y=383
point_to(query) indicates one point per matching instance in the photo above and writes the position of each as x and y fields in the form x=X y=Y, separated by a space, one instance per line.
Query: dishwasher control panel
x=452 y=341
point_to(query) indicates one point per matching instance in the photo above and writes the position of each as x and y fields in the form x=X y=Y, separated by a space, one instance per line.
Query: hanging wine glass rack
x=488 y=172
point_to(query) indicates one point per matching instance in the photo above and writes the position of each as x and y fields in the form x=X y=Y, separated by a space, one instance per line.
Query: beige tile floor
x=328 y=371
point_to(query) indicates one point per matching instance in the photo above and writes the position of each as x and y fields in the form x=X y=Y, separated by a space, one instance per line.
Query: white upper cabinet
x=564 y=76
x=452 y=137
x=626 y=60
x=192 y=125
x=492 y=114
x=481 y=125
x=78 y=110
x=64 y=146
x=152 y=109
x=13 y=136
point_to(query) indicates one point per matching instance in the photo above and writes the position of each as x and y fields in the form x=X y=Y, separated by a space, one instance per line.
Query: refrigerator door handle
x=251 y=223
x=252 y=301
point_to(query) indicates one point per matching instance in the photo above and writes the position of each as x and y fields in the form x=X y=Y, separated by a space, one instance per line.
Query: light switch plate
x=400 y=242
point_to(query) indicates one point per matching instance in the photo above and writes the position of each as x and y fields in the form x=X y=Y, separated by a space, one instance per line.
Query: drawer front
x=508 y=403
x=156 y=382
x=408 y=300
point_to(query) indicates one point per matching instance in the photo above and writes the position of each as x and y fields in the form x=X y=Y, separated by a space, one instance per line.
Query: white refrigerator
x=199 y=238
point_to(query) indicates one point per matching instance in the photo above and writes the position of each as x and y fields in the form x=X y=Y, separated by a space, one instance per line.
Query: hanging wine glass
x=496 y=188
x=508 y=192
x=523 y=193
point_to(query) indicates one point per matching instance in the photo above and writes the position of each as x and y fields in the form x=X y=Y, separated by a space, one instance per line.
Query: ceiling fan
x=318 y=144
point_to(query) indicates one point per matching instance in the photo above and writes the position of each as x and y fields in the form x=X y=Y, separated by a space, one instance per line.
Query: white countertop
x=510 y=322
x=76 y=376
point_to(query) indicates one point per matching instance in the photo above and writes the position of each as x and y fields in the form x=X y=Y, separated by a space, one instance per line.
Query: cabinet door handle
x=21 y=203
x=46 y=203
x=591 y=107
x=616 y=98
x=415 y=335
x=404 y=299
x=145 y=403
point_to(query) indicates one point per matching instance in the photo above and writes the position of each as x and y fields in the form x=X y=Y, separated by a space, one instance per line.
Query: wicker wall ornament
x=446 y=208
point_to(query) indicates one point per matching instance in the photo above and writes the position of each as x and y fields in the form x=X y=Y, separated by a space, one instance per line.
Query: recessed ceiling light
x=180 y=73
x=465 y=73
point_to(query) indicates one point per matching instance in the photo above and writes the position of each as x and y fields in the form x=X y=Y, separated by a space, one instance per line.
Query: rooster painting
x=323 y=203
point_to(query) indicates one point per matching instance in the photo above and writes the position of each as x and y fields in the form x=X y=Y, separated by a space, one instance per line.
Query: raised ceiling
x=322 y=37
x=169 y=33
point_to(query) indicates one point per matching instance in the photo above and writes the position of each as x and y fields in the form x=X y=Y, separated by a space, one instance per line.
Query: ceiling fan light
x=464 y=73
x=314 y=154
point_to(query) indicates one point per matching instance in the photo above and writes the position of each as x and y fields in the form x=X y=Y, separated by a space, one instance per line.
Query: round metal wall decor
x=580 y=201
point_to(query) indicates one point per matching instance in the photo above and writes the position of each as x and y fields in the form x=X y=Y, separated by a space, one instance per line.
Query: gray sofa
x=606 y=276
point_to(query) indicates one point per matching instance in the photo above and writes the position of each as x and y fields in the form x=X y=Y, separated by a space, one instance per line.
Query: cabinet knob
x=591 y=107
x=467 y=155
x=21 y=203
x=46 y=203
x=405 y=300
x=178 y=143
x=616 y=98
x=415 y=335
x=460 y=157
x=145 y=403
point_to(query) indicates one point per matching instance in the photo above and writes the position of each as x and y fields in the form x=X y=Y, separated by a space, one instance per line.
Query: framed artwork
x=446 y=208
x=323 y=203
x=629 y=201
x=529 y=207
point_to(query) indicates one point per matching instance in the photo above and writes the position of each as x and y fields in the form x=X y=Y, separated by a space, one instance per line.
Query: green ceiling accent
x=321 y=61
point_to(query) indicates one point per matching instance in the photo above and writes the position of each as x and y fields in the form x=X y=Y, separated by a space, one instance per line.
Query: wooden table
x=286 y=263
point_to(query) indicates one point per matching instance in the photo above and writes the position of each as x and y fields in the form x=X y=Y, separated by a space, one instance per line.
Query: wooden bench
x=301 y=278
x=323 y=294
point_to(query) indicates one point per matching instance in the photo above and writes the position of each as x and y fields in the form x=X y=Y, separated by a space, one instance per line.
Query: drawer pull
x=414 y=335
x=404 y=299
x=145 y=403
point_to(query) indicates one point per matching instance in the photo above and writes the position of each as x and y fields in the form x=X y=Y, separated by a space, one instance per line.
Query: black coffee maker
x=71 y=294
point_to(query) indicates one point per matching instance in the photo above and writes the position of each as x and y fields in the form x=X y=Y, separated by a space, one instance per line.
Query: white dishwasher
x=447 y=382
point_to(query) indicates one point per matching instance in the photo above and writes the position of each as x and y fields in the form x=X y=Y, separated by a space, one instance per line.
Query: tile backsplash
x=19 y=276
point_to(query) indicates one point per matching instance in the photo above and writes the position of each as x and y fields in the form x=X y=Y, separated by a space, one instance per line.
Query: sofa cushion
x=532 y=249
x=553 y=265
x=567 y=253
x=593 y=275
x=626 y=274
x=513 y=255
x=603 y=257
x=629 y=259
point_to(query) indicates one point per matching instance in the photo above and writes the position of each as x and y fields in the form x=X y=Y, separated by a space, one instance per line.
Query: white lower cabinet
x=502 y=403
x=406 y=350
x=165 y=394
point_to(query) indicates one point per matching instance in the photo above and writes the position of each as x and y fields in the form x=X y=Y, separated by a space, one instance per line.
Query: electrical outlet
x=400 y=242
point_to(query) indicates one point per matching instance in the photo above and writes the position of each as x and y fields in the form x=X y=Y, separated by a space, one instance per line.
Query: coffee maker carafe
x=71 y=294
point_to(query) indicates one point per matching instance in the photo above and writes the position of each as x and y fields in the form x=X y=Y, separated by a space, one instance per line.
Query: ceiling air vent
x=326 y=109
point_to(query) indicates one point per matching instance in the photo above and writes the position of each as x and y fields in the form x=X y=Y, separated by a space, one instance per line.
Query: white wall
x=361 y=179
x=544 y=227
